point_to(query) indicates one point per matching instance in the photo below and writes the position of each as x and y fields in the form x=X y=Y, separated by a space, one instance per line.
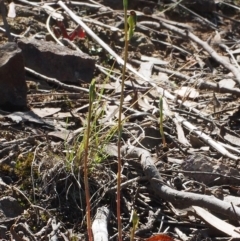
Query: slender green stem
x=135 y=221
x=161 y=120
x=92 y=95
x=120 y=127
x=88 y=208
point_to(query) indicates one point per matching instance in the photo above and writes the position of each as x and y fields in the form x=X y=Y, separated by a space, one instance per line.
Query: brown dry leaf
x=187 y=92
x=62 y=115
x=64 y=135
x=232 y=139
x=106 y=86
x=216 y=40
x=146 y=69
x=217 y=223
x=228 y=83
x=144 y=103
x=118 y=88
x=196 y=142
x=162 y=77
x=111 y=112
x=166 y=108
x=134 y=100
x=43 y=112
x=154 y=60
x=181 y=136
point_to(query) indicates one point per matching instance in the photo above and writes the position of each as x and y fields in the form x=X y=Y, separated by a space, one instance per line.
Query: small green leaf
x=161 y=106
x=161 y=120
x=135 y=220
x=120 y=132
x=132 y=21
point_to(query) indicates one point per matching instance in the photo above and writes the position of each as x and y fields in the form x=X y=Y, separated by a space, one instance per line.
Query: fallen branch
x=168 y=194
x=202 y=84
x=99 y=225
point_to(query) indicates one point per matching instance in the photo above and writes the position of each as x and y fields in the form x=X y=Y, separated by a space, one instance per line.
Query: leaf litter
x=187 y=190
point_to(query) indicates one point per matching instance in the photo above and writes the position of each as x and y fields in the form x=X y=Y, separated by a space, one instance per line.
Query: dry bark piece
x=57 y=61
x=152 y=217
x=99 y=226
x=64 y=135
x=13 y=88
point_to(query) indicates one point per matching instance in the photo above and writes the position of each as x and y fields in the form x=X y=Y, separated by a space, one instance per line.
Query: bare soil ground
x=188 y=188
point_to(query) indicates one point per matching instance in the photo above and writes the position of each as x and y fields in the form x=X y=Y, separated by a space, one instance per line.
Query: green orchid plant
x=129 y=28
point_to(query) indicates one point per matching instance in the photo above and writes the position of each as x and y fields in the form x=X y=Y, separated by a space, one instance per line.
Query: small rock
x=56 y=61
x=147 y=11
x=13 y=88
x=6 y=179
x=10 y=207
